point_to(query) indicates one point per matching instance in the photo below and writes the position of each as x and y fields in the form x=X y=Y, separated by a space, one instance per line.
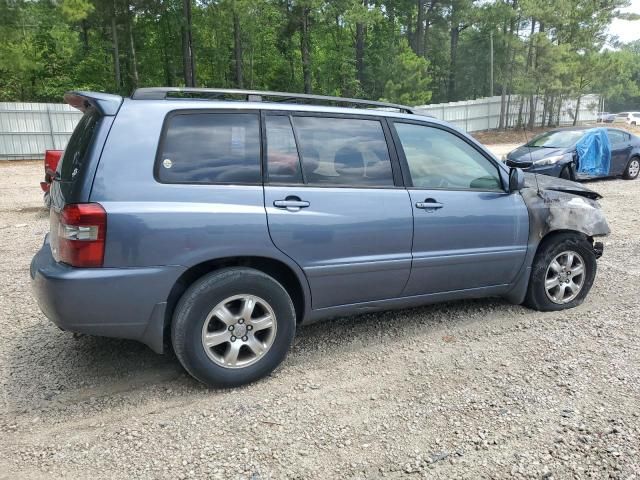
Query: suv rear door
x=469 y=233
x=336 y=206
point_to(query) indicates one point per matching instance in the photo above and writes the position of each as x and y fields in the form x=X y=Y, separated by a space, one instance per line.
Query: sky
x=625 y=30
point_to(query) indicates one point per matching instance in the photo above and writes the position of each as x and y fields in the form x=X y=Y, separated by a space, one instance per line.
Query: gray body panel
x=476 y=239
x=352 y=250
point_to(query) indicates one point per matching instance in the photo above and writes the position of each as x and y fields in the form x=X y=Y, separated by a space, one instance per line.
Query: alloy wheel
x=239 y=331
x=565 y=277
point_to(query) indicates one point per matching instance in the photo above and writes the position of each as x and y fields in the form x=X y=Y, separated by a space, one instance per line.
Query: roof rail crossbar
x=162 y=93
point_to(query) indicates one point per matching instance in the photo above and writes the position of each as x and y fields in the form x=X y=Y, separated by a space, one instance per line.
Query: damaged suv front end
x=555 y=205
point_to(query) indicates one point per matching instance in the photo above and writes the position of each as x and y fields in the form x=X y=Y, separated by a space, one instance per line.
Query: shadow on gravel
x=367 y=330
x=48 y=367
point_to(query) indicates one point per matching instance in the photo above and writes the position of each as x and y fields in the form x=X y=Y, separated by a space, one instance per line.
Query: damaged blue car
x=580 y=153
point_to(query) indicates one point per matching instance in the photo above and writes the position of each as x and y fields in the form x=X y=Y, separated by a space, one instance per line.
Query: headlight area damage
x=556 y=204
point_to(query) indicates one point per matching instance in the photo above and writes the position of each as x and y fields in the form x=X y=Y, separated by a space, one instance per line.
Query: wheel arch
x=294 y=282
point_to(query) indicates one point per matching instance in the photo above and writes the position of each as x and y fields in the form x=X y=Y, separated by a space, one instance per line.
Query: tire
x=237 y=287
x=633 y=168
x=566 y=173
x=549 y=250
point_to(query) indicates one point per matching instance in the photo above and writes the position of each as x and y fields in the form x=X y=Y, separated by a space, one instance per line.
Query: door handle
x=292 y=204
x=429 y=204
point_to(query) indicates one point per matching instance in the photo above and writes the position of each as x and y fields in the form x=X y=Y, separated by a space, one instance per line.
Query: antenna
x=535 y=174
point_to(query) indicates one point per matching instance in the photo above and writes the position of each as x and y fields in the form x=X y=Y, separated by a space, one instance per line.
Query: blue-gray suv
x=217 y=221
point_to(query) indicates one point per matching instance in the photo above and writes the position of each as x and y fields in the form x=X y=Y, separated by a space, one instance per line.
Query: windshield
x=559 y=139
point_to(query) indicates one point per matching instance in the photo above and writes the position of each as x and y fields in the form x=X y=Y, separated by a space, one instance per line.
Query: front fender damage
x=552 y=210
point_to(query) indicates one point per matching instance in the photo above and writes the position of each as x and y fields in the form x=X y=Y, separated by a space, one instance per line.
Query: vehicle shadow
x=49 y=368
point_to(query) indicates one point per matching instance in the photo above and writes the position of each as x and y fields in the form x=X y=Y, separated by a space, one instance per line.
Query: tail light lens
x=82 y=230
x=51 y=160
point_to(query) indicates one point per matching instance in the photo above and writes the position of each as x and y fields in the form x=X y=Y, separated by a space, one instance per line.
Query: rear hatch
x=74 y=175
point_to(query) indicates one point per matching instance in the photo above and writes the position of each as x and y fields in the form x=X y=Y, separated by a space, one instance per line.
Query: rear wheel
x=233 y=327
x=562 y=273
x=633 y=168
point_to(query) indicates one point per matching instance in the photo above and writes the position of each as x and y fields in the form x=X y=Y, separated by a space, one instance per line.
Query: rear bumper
x=110 y=302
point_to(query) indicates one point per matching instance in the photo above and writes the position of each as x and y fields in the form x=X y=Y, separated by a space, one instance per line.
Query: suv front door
x=336 y=206
x=469 y=233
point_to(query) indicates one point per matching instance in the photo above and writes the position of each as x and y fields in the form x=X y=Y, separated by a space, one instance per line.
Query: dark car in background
x=554 y=153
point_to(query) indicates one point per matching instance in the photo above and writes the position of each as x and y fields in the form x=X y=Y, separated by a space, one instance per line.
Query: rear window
x=75 y=155
x=210 y=148
x=343 y=152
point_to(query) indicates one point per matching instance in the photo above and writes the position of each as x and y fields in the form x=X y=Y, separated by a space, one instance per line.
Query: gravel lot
x=473 y=389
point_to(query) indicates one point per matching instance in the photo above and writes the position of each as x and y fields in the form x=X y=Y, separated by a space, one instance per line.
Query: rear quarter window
x=210 y=148
x=75 y=154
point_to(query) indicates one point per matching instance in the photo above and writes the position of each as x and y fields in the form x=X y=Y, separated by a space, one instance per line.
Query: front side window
x=440 y=159
x=211 y=148
x=343 y=152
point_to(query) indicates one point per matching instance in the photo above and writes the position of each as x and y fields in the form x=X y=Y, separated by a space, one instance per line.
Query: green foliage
x=383 y=49
x=409 y=79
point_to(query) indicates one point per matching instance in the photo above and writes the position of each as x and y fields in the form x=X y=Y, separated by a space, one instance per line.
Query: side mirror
x=516 y=179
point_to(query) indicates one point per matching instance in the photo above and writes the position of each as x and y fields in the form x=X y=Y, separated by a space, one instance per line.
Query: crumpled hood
x=521 y=154
x=557 y=204
x=545 y=182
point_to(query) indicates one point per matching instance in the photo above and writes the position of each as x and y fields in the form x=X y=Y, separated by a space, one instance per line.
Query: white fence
x=484 y=113
x=28 y=129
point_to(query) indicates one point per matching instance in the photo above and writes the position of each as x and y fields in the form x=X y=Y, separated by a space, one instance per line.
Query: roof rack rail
x=162 y=93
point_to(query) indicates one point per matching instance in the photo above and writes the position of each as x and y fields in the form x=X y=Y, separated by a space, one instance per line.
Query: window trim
x=406 y=173
x=203 y=111
x=396 y=171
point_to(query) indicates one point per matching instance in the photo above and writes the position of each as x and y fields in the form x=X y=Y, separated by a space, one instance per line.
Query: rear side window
x=76 y=151
x=210 y=148
x=283 y=163
x=343 y=152
x=616 y=136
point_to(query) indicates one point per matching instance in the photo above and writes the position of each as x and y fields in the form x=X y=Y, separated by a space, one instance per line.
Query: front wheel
x=233 y=326
x=562 y=273
x=633 y=168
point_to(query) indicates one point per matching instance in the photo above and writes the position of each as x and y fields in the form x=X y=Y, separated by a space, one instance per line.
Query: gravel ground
x=472 y=389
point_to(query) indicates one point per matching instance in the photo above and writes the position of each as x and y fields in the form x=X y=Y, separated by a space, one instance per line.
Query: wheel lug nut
x=230 y=327
x=233 y=339
x=249 y=327
x=241 y=321
x=245 y=338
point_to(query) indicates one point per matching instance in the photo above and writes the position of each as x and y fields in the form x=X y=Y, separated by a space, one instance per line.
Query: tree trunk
x=85 y=34
x=360 y=52
x=133 y=63
x=188 y=57
x=451 y=88
x=577 y=112
x=559 y=112
x=168 y=64
x=552 y=101
x=305 y=47
x=237 y=49
x=116 y=52
x=419 y=47
x=503 y=104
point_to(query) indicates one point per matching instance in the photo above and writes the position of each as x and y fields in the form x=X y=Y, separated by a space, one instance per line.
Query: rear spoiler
x=105 y=103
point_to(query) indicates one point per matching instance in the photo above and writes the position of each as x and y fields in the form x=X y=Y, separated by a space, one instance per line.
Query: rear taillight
x=51 y=160
x=82 y=229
